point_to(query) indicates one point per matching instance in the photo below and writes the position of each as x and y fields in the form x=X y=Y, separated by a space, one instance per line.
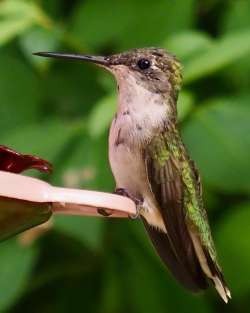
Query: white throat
x=140 y=112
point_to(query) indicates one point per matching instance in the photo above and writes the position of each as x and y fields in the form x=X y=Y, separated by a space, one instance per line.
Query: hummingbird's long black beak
x=71 y=56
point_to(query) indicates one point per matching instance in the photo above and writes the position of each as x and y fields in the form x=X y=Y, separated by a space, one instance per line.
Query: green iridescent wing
x=164 y=167
x=175 y=183
x=199 y=229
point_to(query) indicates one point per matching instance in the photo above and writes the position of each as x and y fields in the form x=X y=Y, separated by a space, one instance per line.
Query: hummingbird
x=151 y=164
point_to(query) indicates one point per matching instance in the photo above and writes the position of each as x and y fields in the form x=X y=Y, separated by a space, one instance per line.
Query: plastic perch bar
x=26 y=202
x=64 y=200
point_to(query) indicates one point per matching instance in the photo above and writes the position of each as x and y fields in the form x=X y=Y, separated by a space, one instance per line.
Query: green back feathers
x=176 y=76
x=168 y=148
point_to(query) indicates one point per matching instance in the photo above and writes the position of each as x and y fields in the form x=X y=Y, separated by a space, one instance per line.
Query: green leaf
x=19 y=94
x=217 y=136
x=225 y=51
x=149 y=281
x=45 y=139
x=112 y=293
x=185 y=104
x=188 y=44
x=236 y=16
x=16 y=264
x=86 y=165
x=40 y=39
x=18 y=8
x=18 y=16
x=88 y=230
x=101 y=116
x=233 y=246
x=71 y=89
x=96 y=22
x=13 y=27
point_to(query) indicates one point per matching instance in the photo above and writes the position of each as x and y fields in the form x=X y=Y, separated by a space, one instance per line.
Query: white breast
x=129 y=170
x=140 y=113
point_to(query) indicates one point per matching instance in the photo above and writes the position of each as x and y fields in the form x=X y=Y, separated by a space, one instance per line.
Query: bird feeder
x=26 y=202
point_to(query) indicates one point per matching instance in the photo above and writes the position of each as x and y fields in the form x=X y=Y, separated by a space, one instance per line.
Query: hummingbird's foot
x=138 y=201
x=125 y=193
x=137 y=214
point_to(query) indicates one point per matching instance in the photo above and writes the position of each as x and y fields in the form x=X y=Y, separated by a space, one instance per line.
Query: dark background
x=61 y=111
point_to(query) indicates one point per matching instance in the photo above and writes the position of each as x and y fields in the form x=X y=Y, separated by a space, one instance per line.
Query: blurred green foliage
x=61 y=111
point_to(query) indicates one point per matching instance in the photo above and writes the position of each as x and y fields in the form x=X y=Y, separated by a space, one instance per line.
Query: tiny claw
x=138 y=201
x=136 y=215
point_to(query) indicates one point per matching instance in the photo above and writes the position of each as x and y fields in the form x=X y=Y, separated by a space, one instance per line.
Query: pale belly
x=129 y=170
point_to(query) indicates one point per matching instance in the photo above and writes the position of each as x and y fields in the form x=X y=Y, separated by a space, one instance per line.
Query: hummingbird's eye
x=143 y=64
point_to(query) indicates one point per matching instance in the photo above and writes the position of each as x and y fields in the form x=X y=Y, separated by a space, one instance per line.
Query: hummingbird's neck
x=141 y=113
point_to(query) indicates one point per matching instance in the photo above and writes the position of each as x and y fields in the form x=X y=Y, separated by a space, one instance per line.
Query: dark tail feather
x=217 y=278
x=192 y=281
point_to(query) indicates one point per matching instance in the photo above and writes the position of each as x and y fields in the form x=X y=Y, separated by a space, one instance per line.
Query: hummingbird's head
x=152 y=68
